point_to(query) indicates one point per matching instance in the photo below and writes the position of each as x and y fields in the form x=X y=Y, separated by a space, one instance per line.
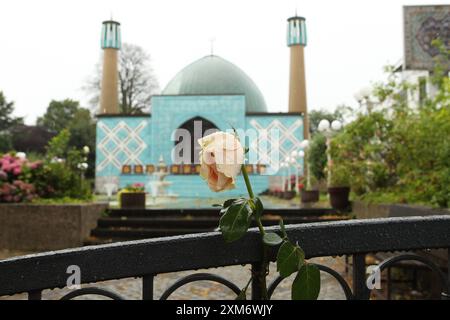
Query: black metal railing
x=148 y=258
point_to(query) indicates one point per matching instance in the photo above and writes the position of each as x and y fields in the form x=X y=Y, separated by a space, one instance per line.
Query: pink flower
x=17 y=171
x=6 y=167
x=35 y=165
x=7 y=157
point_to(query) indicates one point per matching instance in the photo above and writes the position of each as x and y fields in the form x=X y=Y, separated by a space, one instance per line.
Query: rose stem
x=252 y=196
x=265 y=266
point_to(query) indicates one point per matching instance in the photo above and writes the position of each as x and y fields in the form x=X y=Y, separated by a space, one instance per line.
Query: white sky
x=48 y=48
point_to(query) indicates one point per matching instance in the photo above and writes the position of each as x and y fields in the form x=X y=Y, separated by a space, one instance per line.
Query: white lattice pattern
x=284 y=142
x=117 y=150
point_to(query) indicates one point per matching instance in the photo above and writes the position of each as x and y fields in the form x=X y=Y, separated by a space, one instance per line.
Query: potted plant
x=132 y=196
x=308 y=194
x=338 y=188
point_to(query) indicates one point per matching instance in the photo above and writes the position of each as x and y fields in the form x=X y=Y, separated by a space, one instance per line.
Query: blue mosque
x=209 y=93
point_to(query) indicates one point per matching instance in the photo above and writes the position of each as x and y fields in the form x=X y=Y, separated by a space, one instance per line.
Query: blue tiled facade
x=143 y=140
x=170 y=112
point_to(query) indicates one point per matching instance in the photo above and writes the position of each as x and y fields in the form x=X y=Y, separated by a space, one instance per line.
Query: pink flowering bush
x=135 y=187
x=13 y=188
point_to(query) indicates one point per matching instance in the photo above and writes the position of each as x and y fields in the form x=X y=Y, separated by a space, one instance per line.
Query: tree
x=30 y=139
x=137 y=81
x=58 y=115
x=316 y=115
x=82 y=133
x=68 y=115
x=7 y=122
x=317 y=156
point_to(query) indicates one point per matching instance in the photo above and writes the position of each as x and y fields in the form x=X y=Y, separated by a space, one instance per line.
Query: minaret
x=111 y=44
x=296 y=41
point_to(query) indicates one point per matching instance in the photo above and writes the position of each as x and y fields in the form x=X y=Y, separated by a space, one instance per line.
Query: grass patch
x=65 y=200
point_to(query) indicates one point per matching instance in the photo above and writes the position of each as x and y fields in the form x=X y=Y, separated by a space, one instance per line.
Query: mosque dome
x=213 y=75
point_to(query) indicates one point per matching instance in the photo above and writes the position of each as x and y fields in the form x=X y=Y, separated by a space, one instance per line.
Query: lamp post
x=306 y=168
x=296 y=156
x=363 y=97
x=288 y=165
x=283 y=177
x=327 y=130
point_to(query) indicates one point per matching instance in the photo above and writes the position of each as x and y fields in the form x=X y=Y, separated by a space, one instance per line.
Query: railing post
x=446 y=295
x=360 y=290
x=147 y=287
x=35 y=295
x=258 y=271
x=448 y=273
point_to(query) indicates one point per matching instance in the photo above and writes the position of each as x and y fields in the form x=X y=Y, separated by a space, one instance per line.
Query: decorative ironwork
x=445 y=281
x=35 y=273
x=200 y=277
x=344 y=285
x=92 y=291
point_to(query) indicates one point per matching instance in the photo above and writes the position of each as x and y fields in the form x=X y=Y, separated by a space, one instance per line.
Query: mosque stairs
x=124 y=225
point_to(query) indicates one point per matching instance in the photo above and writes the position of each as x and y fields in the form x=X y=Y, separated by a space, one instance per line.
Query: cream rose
x=221 y=157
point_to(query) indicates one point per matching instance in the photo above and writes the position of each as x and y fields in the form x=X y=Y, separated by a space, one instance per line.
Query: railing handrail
x=200 y=251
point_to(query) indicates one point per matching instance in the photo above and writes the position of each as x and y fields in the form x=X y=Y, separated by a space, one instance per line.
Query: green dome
x=213 y=75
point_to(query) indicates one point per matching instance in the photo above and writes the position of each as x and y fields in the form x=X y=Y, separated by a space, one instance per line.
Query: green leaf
x=229 y=202
x=235 y=220
x=259 y=208
x=272 y=239
x=289 y=259
x=306 y=285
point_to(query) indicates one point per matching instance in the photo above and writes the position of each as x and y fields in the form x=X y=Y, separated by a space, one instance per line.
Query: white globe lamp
x=304 y=144
x=324 y=125
x=336 y=125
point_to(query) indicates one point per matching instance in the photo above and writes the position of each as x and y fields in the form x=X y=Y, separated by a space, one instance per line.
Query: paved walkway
x=130 y=288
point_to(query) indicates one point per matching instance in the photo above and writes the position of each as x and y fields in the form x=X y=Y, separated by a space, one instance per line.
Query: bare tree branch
x=137 y=81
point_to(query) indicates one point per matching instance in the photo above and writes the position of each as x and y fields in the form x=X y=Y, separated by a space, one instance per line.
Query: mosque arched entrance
x=186 y=140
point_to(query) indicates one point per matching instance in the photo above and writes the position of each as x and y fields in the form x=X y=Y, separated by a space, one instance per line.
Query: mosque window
x=186 y=140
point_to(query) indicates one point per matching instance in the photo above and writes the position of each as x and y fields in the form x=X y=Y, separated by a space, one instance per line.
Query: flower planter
x=132 y=200
x=308 y=196
x=339 y=197
x=288 y=195
x=40 y=227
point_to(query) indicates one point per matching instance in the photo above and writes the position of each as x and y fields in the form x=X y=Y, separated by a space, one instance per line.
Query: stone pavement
x=130 y=288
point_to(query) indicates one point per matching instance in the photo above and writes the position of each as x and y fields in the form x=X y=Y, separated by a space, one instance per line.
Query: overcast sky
x=48 y=48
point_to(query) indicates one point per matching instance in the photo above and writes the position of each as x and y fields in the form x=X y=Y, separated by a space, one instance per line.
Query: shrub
x=13 y=188
x=399 y=151
x=58 y=176
x=317 y=156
